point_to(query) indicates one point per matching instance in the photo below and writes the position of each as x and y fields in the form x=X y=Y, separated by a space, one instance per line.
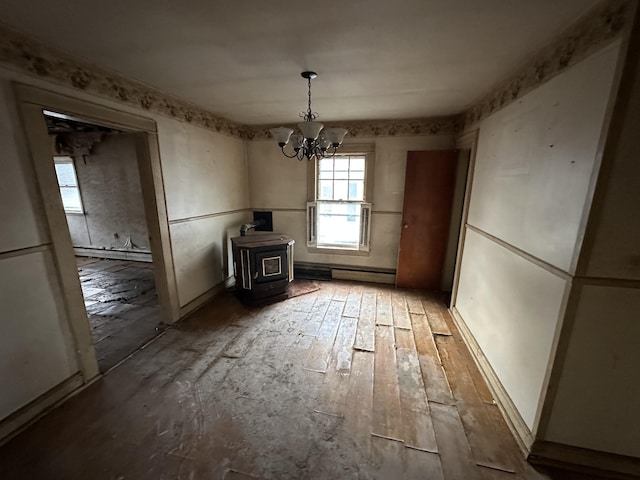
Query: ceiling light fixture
x=310 y=143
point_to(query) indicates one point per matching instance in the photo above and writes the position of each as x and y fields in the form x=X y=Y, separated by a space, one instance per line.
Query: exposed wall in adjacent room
x=535 y=166
x=111 y=194
x=280 y=184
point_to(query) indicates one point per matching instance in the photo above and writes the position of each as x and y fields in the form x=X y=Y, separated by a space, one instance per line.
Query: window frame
x=363 y=246
x=68 y=159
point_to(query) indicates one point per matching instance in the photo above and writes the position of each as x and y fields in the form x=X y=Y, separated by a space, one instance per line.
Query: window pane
x=356 y=190
x=339 y=224
x=71 y=198
x=326 y=175
x=341 y=190
x=65 y=174
x=357 y=164
x=326 y=165
x=342 y=164
x=325 y=190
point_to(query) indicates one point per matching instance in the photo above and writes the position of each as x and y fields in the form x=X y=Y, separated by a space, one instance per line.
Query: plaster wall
x=596 y=406
x=207 y=190
x=36 y=348
x=596 y=403
x=111 y=196
x=280 y=184
x=536 y=159
x=535 y=166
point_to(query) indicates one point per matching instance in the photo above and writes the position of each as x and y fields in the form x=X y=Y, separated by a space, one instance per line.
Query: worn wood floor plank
x=433 y=376
x=437 y=323
x=422 y=465
x=384 y=315
x=341 y=291
x=400 y=312
x=334 y=389
x=414 y=302
x=352 y=305
x=366 y=333
x=466 y=357
x=316 y=315
x=318 y=358
x=455 y=454
x=388 y=457
x=489 y=446
x=387 y=416
x=416 y=420
x=358 y=410
x=434 y=315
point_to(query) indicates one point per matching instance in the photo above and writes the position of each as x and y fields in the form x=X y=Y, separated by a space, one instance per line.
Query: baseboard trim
x=132 y=255
x=200 y=300
x=582 y=460
x=361 y=276
x=345 y=272
x=33 y=411
x=514 y=420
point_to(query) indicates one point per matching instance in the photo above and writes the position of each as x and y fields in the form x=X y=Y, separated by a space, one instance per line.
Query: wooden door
x=428 y=194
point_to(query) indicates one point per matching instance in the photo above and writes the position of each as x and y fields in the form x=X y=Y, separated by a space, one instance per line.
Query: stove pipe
x=250 y=226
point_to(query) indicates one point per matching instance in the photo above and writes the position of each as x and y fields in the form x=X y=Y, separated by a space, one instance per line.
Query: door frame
x=466 y=141
x=31 y=102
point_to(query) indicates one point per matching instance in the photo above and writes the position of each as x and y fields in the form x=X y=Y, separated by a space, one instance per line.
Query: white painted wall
x=535 y=161
x=36 y=349
x=111 y=196
x=207 y=190
x=596 y=405
x=598 y=392
x=280 y=184
x=534 y=167
x=512 y=307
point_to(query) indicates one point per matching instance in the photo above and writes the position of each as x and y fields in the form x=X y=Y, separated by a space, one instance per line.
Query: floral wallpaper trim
x=25 y=55
x=600 y=26
x=375 y=128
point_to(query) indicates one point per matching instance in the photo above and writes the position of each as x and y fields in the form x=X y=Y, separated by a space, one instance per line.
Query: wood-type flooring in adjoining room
x=122 y=306
x=352 y=381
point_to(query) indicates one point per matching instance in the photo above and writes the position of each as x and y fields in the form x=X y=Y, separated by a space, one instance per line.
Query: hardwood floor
x=352 y=381
x=122 y=306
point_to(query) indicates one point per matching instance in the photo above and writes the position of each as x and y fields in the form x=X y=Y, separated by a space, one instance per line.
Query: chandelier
x=310 y=143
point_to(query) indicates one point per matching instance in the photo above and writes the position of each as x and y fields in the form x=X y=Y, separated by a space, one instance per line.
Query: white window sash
x=312 y=222
x=365 y=227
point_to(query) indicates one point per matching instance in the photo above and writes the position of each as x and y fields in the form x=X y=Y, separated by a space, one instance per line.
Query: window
x=338 y=217
x=68 y=183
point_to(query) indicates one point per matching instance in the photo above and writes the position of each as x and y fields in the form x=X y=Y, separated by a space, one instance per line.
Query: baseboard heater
x=318 y=271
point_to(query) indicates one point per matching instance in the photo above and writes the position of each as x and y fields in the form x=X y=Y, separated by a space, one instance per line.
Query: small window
x=338 y=217
x=68 y=183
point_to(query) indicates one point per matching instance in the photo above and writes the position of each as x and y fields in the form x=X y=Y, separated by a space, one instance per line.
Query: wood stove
x=263 y=267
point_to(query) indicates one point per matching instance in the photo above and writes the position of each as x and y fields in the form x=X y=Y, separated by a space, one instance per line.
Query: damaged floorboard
x=352 y=381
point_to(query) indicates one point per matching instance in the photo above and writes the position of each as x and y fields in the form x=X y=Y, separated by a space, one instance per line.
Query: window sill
x=337 y=251
x=70 y=212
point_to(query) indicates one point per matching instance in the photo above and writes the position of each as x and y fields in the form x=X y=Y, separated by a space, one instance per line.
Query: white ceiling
x=242 y=58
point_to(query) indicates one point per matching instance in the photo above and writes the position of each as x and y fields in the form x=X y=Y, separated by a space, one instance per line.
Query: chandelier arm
x=295 y=154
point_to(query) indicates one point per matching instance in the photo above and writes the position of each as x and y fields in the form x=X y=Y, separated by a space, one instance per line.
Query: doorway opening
x=455 y=225
x=97 y=170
